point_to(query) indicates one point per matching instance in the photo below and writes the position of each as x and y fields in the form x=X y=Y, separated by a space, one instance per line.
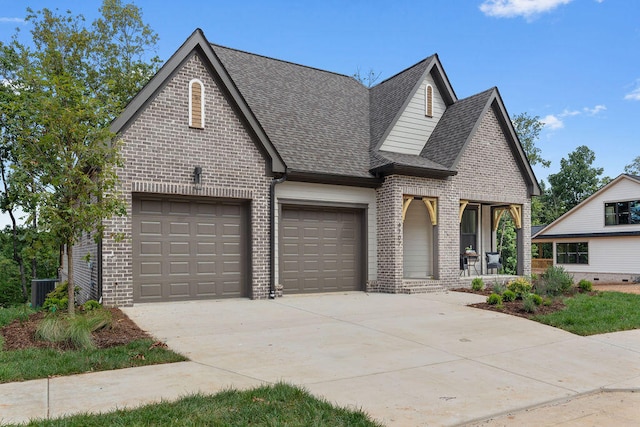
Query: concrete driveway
x=405 y=359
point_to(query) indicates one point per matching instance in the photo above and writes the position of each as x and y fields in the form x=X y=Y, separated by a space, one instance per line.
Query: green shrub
x=536 y=298
x=58 y=299
x=508 y=295
x=554 y=281
x=520 y=287
x=494 y=299
x=585 y=285
x=529 y=303
x=91 y=305
x=10 y=288
x=477 y=284
x=498 y=288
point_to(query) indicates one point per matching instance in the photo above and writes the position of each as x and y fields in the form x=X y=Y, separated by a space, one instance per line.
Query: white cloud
x=595 y=110
x=513 y=8
x=552 y=122
x=569 y=113
x=6 y=19
x=634 y=95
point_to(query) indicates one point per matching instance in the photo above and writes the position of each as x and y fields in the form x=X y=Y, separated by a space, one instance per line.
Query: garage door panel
x=189 y=249
x=320 y=249
x=178 y=248
x=179 y=229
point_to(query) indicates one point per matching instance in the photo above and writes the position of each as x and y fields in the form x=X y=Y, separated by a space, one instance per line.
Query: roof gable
x=390 y=98
x=197 y=43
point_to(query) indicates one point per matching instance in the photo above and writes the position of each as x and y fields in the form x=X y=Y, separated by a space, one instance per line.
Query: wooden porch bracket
x=463 y=206
x=405 y=205
x=514 y=210
x=432 y=207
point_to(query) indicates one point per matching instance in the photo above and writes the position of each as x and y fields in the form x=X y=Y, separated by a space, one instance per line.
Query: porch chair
x=493 y=261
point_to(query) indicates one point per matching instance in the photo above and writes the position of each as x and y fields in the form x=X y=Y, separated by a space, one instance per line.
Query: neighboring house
x=247 y=176
x=599 y=239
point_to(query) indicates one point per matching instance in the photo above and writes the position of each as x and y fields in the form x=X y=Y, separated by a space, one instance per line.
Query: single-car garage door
x=320 y=249
x=188 y=249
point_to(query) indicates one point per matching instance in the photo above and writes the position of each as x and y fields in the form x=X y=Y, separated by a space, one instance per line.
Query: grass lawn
x=596 y=314
x=34 y=363
x=276 y=405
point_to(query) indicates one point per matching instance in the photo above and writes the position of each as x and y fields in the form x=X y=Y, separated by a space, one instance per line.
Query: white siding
x=418 y=242
x=301 y=191
x=608 y=255
x=589 y=217
x=411 y=132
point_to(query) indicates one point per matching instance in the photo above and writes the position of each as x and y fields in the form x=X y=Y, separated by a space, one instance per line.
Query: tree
x=576 y=180
x=633 y=168
x=74 y=80
x=368 y=79
x=528 y=129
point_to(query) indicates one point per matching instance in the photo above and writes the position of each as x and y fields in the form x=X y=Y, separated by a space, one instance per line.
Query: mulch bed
x=514 y=308
x=22 y=334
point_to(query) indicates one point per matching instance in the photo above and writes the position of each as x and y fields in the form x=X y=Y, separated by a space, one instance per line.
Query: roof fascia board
x=197 y=42
x=584 y=202
x=585 y=235
x=396 y=169
x=318 y=178
x=442 y=80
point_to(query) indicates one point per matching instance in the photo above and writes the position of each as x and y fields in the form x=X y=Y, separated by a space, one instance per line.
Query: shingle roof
x=318 y=120
x=454 y=128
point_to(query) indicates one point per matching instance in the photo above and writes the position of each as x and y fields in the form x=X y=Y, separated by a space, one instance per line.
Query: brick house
x=247 y=176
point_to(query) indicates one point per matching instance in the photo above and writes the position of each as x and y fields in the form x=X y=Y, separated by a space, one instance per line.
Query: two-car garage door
x=188 y=249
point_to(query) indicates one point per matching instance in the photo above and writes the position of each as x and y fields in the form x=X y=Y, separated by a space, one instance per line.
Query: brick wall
x=160 y=152
x=487 y=173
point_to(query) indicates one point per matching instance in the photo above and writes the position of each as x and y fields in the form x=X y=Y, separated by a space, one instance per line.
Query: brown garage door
x=320 y=249
x=188 y=249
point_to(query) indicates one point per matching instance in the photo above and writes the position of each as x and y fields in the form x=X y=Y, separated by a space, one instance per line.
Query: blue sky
x=573 y=63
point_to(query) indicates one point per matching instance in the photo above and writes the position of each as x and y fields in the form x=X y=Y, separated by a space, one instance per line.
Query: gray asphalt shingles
x=327 y=123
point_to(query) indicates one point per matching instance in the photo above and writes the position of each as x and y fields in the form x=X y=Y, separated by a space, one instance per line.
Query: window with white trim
x=196 y=104
x=428 y=99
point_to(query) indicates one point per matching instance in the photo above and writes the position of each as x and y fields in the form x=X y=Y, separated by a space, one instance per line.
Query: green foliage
x=57 y=299
x=29 y=364
x=509 y=295
x=528 y=129
x=605 y=312
x=498 y=288
x=494 y=299
x=554 y=281
x=268 y=405
x=74 y=329
x=576 y=180
x=520 y=287
x=10 y=288
x=585 y=285
x=91 y=305
x=529 y=303
x=477 y=284
x=19 y=312
x=633 y=168
x=506 y=236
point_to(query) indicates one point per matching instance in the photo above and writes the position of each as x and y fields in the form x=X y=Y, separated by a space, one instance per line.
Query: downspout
x=272 y=234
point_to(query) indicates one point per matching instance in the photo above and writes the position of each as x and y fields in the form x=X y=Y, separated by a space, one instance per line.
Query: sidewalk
x=405 y=359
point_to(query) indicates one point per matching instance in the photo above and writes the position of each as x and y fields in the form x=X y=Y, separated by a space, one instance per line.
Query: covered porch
x=476 y=247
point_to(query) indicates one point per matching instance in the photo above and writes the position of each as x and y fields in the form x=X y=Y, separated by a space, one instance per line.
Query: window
x=196 y=104
x=572 y=253
x=618 y=213
x=428 y=94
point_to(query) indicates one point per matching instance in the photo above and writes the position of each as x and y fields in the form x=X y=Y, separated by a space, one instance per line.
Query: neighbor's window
x=196 y=104
x=618 y=213
x=428 y=108
x=572 y=253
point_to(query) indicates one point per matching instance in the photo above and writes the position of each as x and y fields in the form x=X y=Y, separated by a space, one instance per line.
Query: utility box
x=39 y=290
